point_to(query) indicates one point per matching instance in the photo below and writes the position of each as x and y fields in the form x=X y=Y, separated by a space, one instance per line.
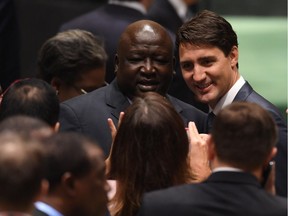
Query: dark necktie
x=210 y=119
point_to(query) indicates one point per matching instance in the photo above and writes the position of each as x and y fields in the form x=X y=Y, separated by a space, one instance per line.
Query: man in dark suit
x=75 y=170
x=108 y=22
x=208 y=53
x=144 y=62
x=239 y=150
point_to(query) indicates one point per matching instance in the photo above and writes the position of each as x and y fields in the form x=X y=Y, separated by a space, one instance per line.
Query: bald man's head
x=144 y=60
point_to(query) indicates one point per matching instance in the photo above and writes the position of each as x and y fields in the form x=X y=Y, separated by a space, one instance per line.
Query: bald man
x=144 y=63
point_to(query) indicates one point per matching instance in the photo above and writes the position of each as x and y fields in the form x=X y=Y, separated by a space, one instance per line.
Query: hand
x=113 y=130
x=198 y=155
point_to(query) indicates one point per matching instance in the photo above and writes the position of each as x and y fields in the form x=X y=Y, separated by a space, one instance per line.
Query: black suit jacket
x=88 y=113
x=246 y=93
x=222 y=194
x=165 y=14
x=107 y=22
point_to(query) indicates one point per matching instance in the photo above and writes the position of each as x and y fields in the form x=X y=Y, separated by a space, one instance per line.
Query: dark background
x=40 y=19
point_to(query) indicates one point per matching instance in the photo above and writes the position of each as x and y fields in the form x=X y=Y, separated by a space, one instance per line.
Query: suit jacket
x=165 y=14
x=37 y=212
x=246 y=93
x=107 y=22
x=222 y=194
x=88 y=113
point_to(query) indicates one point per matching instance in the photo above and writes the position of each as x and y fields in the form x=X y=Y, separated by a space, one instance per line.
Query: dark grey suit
x=88 y=114
x=246 y=93
x=107 y=22
x=222 y=194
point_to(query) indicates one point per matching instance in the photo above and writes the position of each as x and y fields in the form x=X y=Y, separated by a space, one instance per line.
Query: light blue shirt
x=47 y=209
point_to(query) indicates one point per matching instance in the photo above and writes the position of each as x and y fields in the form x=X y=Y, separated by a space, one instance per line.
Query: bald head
x=145 y=30
x=144 y=60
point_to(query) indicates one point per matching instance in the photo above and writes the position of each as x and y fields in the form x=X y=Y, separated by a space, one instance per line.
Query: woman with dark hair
x=150 y=152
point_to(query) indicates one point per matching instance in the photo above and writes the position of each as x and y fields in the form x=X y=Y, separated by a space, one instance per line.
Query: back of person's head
x=31 y=97
x=244 y=135
x=68 y=57
x=26 y=126
x=149 y=152
x=208 y=29
x=75 y=170
x=21 y=172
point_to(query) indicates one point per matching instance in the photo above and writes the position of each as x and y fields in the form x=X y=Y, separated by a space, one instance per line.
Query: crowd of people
x=99 y=132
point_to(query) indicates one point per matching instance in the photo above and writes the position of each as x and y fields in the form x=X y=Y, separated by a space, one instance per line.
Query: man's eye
x=187 y=66
x=134 y=59
x=207 y=62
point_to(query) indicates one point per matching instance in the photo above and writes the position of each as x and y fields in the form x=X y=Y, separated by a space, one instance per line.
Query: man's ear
x=234 y=54
x=44 y=187
x=56 y=127
x=68 y=182
x=56 y=83
x=211 y=148
x=271 y=155
x=116 y=62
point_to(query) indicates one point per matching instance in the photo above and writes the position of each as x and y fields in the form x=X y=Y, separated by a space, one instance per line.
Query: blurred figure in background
x=172 y=13
x=75 y=170
x=73 y=62
x=9 y=44
x=21 y=174
x=108 y=22
x=31 y=97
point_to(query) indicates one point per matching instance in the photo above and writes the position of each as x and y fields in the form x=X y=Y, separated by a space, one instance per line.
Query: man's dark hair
x=209 y=29
x=31 y=97
x=244 y=135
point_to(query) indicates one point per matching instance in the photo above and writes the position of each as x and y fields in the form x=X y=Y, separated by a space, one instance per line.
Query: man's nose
x=198 y=73
x=148 y=66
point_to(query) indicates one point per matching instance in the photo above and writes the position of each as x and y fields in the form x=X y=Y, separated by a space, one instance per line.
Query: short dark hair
x=66 y=152
x=208 y=28
x=26 y=126
x=69 y=54
x=32 y=97
x=244 y=135
x=150 y=150
x=21 y=170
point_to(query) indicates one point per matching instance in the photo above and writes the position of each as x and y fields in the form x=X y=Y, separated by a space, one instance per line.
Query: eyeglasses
x=82 y=91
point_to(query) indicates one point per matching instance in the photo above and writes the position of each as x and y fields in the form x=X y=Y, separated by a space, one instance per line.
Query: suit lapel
x=115 y=99
x=244 y=92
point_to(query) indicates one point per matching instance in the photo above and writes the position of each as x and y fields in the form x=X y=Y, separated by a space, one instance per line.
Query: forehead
x=193 y=49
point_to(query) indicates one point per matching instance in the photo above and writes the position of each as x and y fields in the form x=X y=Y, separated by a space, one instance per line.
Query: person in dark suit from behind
x=108 y=22
x=31 y=97
x=75 y=170
x=208 y=52
x=21 y=174
x=73 y=62
x=144 y=63
x=239 y=150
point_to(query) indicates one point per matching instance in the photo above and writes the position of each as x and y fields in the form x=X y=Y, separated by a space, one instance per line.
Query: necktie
x=210 y=119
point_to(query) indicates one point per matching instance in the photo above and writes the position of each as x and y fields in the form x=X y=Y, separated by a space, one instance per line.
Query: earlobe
x=234 y=56
x=116 y=63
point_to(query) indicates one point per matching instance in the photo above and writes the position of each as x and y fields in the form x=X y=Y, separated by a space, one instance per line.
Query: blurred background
x=261 y=26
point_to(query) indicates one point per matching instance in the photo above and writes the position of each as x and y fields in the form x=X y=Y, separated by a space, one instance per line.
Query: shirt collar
x=180 y=7
x=230 y=169
x=135 y=5
x=229 y=96
x=47 y=209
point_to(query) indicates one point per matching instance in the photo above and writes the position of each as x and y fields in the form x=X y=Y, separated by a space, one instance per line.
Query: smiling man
x=208 y=53
x=144 y=62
